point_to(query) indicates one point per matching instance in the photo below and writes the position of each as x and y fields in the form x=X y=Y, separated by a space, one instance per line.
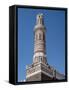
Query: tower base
x=39 y=77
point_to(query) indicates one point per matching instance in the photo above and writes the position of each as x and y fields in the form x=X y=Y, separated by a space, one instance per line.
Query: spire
x=39 y=19
x=39 y=22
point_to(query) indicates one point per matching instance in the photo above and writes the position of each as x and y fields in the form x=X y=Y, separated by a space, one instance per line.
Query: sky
x=54 y=21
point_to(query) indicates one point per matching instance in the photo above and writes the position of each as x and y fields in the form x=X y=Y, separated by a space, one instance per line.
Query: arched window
x=40 y=58
x=43 y=36
x=39 y=36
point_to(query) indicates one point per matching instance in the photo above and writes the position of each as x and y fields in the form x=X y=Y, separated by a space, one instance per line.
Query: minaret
x=40 y=70
x=37 y=70
x=39 y=40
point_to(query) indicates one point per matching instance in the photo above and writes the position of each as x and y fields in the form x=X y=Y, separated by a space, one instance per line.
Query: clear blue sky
x=55 y=38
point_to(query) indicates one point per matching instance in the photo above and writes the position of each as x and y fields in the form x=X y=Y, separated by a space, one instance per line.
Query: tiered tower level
x=40 y=70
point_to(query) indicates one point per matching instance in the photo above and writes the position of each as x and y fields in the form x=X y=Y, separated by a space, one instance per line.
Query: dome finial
x=40 y=18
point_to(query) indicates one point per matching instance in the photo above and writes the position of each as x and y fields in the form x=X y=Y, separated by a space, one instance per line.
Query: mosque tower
x=40 y=70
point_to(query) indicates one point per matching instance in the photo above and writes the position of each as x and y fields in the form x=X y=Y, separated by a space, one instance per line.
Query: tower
x=39 y=41
x=40 y=70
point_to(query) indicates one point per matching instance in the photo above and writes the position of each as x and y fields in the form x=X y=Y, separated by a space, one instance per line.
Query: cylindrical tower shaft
x=39 y=40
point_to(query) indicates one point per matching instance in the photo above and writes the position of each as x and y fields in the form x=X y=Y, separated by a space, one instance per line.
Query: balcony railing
x=39 y=66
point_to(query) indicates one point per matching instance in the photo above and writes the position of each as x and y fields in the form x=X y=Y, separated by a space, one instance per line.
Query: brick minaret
x=40 y=70
x=39 y=41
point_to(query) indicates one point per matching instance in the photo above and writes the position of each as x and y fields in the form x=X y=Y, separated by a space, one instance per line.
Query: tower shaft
x=39 y=40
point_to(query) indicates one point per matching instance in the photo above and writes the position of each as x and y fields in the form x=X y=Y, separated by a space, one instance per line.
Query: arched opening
x=39 y=36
